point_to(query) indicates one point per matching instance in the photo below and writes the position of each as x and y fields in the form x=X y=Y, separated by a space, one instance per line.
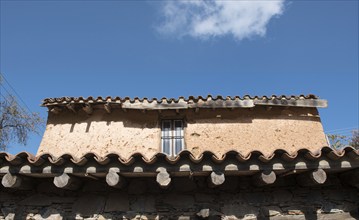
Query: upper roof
x=192 y=102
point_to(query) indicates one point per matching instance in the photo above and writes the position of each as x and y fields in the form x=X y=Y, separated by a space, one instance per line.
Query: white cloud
x=214 y=18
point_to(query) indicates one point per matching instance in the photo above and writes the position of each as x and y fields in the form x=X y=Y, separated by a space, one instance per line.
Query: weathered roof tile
x=194 y=102
x=280 y=154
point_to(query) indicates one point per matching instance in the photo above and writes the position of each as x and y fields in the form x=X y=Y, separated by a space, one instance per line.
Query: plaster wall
x=219 y=131
x=259 y=129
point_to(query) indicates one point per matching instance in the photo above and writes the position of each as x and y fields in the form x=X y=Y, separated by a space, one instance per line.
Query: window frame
x=172 y=136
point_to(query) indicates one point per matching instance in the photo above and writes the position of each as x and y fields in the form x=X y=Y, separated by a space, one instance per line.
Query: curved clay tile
x=84 y=158
x=178 y=157
x=12 y=159
x=243 y=158
x=25 y=157
x=351 y=152
x=131 y=159
x=107 y=158
x=215 y=158
x=61 y=160
x=209 y=97
x=152 y=159
x=40 y=159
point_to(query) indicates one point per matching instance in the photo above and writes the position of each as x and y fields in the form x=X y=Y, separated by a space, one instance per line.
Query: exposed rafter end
x=215 y=179
x=16 y=182
x=64 y=181
x=107 y=107
x=55 y=110
x=312 y=178
x=71 y=107
x=163 y=178
x=264 y=178
x=88 y=109
x=115 y=180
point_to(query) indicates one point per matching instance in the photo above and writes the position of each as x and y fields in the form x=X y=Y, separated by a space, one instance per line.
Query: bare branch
x=15 y=123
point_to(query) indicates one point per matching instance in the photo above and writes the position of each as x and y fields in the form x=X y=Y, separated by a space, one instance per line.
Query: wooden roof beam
x=16 y=182
x=312 y=178
x=107 y=107
x=56 y=110
x=113 y=179
x=215 y=179
x=163 y=178
x=71 y=107
x=88 y=109
x=264 y=178
x=64 y=181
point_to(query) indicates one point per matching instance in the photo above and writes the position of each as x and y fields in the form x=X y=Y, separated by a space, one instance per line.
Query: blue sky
x=145 y=49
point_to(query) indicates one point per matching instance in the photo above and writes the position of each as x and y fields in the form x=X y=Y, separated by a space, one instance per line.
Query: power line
x=343 y=129
x=39 y=126
x=5 y=99
x=8 y=102
x=12 y=88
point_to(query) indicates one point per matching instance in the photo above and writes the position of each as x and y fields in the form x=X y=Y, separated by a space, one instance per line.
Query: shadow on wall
x=150 y=119
x=132 y=120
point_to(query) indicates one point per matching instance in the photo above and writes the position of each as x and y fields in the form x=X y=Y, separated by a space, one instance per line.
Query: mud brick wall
x=219 y=131
x=185 y=199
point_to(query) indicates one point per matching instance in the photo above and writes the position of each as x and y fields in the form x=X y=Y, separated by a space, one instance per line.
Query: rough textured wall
x=102 y=133
x=217 y=130
x=259 y=129
x=185 y=199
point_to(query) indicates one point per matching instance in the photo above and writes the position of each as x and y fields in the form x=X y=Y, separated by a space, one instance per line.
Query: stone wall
x=185 y=199
x=219 y=130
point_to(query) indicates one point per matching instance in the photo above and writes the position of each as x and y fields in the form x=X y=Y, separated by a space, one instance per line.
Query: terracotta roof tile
x=24 y=157
x=193 y=102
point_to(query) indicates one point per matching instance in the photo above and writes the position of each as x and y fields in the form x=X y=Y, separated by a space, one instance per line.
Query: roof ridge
x=309 y=100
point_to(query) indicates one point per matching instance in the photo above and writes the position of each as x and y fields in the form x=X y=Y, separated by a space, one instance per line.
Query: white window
x=172 y=137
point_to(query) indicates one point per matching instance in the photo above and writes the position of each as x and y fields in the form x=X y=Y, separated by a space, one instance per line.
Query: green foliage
x=354 y=141
x=339 y=141
x=15 y=123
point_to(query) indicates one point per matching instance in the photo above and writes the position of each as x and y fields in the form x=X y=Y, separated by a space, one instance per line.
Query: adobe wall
x=186 y=199
x=217 y=130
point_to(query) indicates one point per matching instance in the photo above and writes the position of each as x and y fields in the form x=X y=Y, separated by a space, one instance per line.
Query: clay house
x=186 y=158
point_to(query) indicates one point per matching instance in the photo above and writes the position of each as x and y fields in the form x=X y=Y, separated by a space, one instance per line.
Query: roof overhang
x=188 y=103
x=255 y=165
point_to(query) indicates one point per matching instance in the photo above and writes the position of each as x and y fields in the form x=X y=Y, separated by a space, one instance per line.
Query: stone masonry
x=186 y=198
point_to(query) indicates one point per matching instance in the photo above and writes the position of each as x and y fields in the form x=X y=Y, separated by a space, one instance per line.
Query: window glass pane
x=178 y=145
x=172 y=136
x=166 y=128
x=178 y=128
x=166 y=146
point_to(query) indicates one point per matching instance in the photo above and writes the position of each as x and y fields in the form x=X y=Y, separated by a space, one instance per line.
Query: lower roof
x=18 y=171
x=347 y=157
